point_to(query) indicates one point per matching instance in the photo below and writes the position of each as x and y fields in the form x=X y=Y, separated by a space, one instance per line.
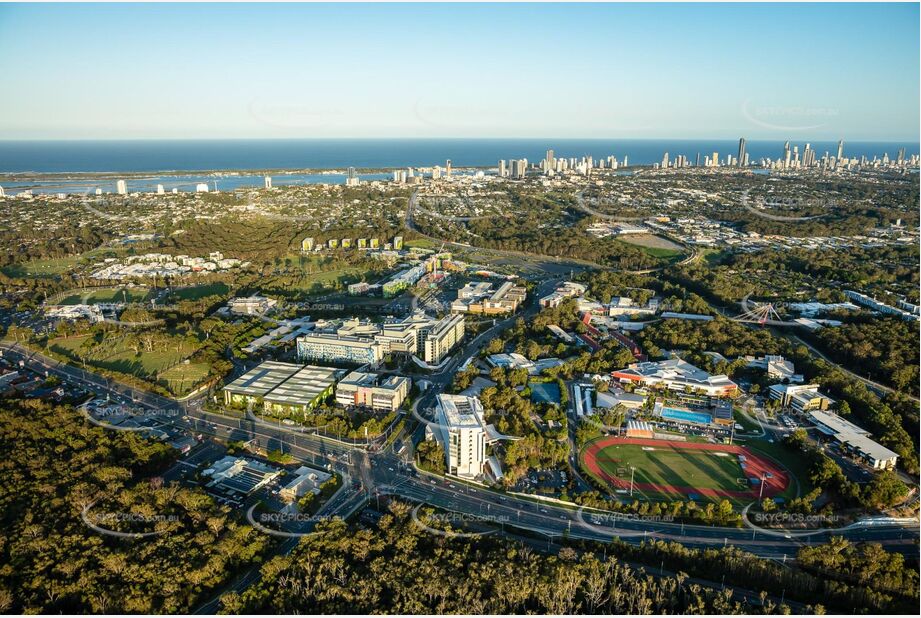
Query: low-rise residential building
x=624 y=305
x=800 y=397
x=567 y=290
x=854 y=439
x=677 y=375
x=306 y=480
x=251 y=305
x=380 y=393
x=403 y=280
x=480 y=298
x=876 y=305
x=776 y=367
x=239 y=475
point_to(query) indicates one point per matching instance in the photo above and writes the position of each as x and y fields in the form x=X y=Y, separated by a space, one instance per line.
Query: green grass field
x=41 y=268
x=422 y=243
x=117 y=356
x=182 y=378
x=700 y=470
x=106 y=295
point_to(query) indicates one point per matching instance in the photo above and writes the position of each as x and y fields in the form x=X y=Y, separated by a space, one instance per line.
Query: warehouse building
x=282 y=387
x=305 y=480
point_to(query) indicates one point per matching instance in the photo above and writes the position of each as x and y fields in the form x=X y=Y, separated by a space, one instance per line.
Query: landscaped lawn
x=118 y=356
x=41 y=268
x=182 y=378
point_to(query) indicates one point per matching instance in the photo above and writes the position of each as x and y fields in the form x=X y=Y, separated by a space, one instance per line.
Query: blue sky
x=819 y=71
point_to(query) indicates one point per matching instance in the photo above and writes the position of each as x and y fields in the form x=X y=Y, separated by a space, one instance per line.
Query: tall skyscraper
x=502 y=171
x=741 y=159
x=2 y=193
x=351 y=179
x=268 y=182
x=698 y=160
x=549 y=162
x=786 y=155
x=665 y=160
x=840 y=150
x=448 y=168
x=715 y=159
x=160 y=190
x=808 y=156
x=121 y=187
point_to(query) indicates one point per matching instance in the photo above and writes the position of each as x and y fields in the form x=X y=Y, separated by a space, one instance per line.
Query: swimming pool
x=687 y=416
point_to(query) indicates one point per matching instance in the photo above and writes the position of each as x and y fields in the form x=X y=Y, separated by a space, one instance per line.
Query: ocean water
x=159 y=156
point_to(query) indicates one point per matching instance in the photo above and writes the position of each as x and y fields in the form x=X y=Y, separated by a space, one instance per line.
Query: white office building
x=371 y=390
x=441 y=337
x=462 y=434
x=331 y=347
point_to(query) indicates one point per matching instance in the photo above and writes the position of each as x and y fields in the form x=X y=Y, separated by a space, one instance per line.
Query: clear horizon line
x=912 y=140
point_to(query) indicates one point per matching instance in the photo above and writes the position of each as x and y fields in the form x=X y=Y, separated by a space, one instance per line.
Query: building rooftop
x=257 y=382
x=849 y=433
x=304 y=386
x=462 y=412
x=677 y=369
x=373 y=380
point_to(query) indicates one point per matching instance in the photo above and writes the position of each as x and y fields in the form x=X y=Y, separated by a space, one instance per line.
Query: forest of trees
x=884 y=349
x=54 y=466
x=399 y=568
x=396 y=566
x=533 y=233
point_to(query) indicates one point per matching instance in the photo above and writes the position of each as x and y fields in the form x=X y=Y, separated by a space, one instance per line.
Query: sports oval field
x=679 y=470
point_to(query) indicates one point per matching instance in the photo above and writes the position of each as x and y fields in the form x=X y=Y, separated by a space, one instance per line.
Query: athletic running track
x=756 y=466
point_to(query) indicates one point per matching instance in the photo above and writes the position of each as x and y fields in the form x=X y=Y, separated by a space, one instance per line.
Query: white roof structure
x=462 y=412
x=257 y=382
x=512 y=361
x=304 y=386
x=675 y=373
x=848 y=433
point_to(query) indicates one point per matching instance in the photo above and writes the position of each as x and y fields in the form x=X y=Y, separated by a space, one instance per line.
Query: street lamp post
x=632 y=471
